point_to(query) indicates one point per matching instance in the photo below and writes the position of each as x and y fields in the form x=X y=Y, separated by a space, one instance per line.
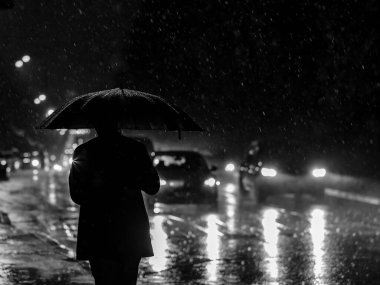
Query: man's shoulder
x=132 y=142
x=86 y=145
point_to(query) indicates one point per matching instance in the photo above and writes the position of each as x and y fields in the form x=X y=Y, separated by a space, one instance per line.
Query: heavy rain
x=265 y=141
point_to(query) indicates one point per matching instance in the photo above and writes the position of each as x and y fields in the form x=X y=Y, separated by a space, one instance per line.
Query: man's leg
x=130 y=270
x=106 y=271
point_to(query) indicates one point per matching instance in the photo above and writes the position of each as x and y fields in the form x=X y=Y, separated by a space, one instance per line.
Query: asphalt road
x=287 y=240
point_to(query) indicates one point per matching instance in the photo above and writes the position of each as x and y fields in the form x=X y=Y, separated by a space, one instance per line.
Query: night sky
x=305 y=70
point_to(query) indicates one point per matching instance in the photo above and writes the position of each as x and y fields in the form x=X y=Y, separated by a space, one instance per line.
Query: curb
x=352 y=196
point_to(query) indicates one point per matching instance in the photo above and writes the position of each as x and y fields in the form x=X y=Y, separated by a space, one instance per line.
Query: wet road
x=287 y=240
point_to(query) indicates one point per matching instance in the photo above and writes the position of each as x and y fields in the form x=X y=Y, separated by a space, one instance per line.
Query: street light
x=25 y=58
x=42 y=97
x=19 y=63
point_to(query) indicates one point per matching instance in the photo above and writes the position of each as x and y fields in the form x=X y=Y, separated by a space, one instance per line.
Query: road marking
x=352 y=196
x=195 y=225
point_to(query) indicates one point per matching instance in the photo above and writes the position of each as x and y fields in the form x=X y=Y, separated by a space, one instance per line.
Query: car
x=269 y=167
x=4 y=167
x=185 y=177
x=32 y=160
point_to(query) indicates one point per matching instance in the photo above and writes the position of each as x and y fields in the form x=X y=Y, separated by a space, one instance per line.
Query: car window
x=177 y=161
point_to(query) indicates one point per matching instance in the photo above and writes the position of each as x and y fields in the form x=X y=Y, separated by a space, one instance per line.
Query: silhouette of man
x=106 y=179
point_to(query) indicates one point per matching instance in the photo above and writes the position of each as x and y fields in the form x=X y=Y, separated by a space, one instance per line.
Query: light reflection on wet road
x=282 y=242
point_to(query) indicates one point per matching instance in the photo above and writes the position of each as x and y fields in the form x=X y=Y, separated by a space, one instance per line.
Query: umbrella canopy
x=129 y=109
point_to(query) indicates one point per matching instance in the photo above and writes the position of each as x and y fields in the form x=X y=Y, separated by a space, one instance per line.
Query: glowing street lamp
x=42 y=97
x=25 y=58
x=19 y=63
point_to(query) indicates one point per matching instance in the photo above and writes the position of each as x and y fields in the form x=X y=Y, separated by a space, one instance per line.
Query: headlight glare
x=268 y=172
x=229 y=167
x=35 y=162
x=319 y=172
x=210 y=182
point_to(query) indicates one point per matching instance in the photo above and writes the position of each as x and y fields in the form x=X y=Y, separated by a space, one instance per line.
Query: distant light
x=217 y=182
x=35 y=162
x=162 y=182
x=210 y=182
x=57 y=167
x=230 y=167
x=3 y=162
x=26 y=160
x=35 y=153
x=49 y=112
x=230 y=188
x=26 y=58
x=268 y=172
x=17 y=165
x=79 y=132
x=70 y=160
x=35 y=171
x=37 y=101
x=319 y=172
x=19 y=63
x=42 y=97
x=156 y=210
x=53 y=157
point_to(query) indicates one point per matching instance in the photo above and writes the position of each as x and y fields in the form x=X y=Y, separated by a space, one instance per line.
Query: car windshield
x=179 y=161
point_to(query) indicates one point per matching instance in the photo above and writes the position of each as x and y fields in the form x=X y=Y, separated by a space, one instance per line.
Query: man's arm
x=148 y=179
x=78 y=178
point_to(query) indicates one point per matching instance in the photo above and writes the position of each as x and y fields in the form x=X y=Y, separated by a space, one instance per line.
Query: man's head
x=106 y=126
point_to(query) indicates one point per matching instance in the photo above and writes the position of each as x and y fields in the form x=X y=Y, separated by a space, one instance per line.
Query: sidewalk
x=30 y=256
x=26 y=258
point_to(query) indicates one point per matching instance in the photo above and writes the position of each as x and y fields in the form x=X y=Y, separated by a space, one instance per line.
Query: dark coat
x=106 y=179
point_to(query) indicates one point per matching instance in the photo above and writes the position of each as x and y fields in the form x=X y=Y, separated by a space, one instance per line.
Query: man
x=106 y=179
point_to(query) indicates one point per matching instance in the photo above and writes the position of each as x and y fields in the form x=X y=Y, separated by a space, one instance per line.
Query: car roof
x=178 y=152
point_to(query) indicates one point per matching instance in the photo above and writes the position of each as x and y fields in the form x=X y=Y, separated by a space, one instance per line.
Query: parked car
x=4 y=167
x=32 y=160
x=268 y=163
x=185 y=177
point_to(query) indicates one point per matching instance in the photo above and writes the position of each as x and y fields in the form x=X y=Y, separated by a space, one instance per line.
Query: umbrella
x=130 y=109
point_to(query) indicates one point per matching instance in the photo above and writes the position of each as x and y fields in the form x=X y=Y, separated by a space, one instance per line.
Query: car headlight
x=57 y=167
x=319 y=172
x=35 y=162
x=210 y=182
x=268 y=172
x=229 y=167
x=163 y=182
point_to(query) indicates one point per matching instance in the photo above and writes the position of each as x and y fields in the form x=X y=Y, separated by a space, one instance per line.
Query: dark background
x=290 y=70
